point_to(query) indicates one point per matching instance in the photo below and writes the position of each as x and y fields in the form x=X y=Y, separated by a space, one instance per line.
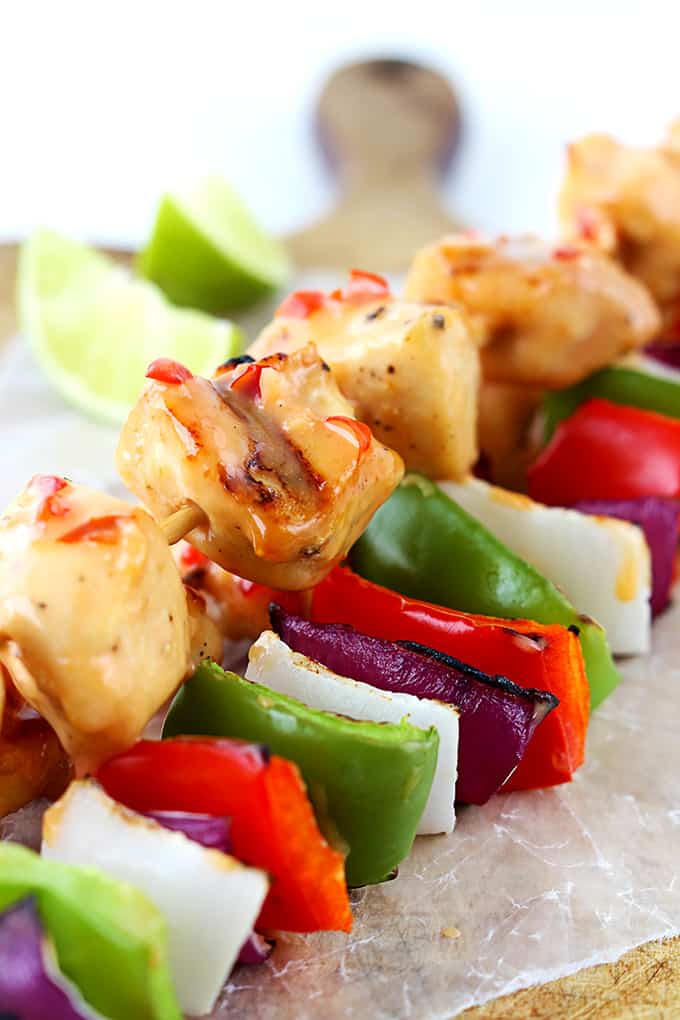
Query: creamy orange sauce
x=627 y=577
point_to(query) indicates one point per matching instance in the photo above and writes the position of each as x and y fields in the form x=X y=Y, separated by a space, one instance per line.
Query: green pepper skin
x=620 y=385
x=423 y=545
x=369 y=782
x=109 y=939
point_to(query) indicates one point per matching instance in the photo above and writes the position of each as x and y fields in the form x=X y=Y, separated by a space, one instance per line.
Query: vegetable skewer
x=369 y=781
x=181 y=522
x=208 y=898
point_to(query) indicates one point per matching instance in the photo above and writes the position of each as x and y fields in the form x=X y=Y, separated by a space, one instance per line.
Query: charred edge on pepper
x=501 y=682
x=239 y=359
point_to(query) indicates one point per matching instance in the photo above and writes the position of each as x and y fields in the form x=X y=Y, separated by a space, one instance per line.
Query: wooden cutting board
x=389 y=129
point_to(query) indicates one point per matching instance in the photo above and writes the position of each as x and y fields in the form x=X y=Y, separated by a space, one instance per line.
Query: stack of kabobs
x=420 y=637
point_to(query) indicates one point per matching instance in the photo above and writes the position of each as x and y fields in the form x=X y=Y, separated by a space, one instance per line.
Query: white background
x=103 y=105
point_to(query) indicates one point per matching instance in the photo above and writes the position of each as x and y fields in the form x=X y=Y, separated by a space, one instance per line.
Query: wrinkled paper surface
x=536 y=884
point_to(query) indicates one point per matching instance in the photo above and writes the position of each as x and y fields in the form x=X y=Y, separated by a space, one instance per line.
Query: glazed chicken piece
x=95 y=632
x=238 y=608
x=411 y=373
x=626 y=201
x=269 y=454
x=32 y=761
x=543 y=316
x=505 y=430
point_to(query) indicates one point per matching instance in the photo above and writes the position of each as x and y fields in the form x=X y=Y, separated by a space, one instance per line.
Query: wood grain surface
x=8 y=256
x=643 y=985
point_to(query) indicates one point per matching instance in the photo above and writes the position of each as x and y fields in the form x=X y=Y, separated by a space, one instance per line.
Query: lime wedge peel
x=94 y=329
x=206 y=251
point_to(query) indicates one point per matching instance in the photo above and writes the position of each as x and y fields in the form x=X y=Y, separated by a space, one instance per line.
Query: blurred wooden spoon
x=388 y=129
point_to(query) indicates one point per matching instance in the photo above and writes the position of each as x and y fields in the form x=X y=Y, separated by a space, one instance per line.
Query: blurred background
x=105 y=106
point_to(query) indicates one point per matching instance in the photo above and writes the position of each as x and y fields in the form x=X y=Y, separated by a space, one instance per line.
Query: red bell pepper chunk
x=291 y=601
x=168 y=371
x=190 y=558
x=608 y=451
x=546 y=657
x=301 y=304
x=272 y=823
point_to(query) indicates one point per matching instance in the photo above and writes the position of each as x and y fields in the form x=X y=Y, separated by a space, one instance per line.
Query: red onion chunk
x=211 y=832
x=255 y=949
x=666 y=352
x=658 y=518
x=29 y=988
x=497 y=718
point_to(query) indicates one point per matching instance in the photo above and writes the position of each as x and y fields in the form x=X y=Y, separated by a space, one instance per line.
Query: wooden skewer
x=184 y=520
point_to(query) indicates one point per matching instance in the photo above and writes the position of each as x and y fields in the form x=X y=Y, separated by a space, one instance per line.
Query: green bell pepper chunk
x=110 y=941
x=424 y=545
x=621 y=385
x=368 y=782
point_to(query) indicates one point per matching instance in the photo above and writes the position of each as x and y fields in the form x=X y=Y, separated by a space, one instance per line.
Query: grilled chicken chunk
x=626 y=201
x=506 y=443
x=205 y=636
x=411 y=373
x=94 y=625
x=32 y=761
x=270 y=452
x=239 y=609
x=543 y=317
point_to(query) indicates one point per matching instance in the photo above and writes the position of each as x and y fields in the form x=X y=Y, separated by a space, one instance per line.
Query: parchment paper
x=537 y=884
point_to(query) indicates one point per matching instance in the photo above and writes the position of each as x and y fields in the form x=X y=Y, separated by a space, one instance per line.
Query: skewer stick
x=184 y=520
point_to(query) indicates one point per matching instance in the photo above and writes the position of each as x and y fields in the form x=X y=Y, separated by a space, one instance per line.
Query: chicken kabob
x=450 y=377
x=267 y=470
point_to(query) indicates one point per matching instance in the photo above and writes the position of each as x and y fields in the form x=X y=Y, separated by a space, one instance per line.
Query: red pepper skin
x=105 y=530
x=47 y=487
x=566 y=254
x=168 y=371
x=532 y=655
x=262 y=595
x=272 y=823
x=247 y=381
x=363 y=284
x=191 y=559
x=608 y=451
x=301 y=304
x=355 y=431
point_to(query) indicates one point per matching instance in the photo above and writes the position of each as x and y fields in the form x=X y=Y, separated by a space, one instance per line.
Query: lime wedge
x=94 y=329
x=207 y=252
